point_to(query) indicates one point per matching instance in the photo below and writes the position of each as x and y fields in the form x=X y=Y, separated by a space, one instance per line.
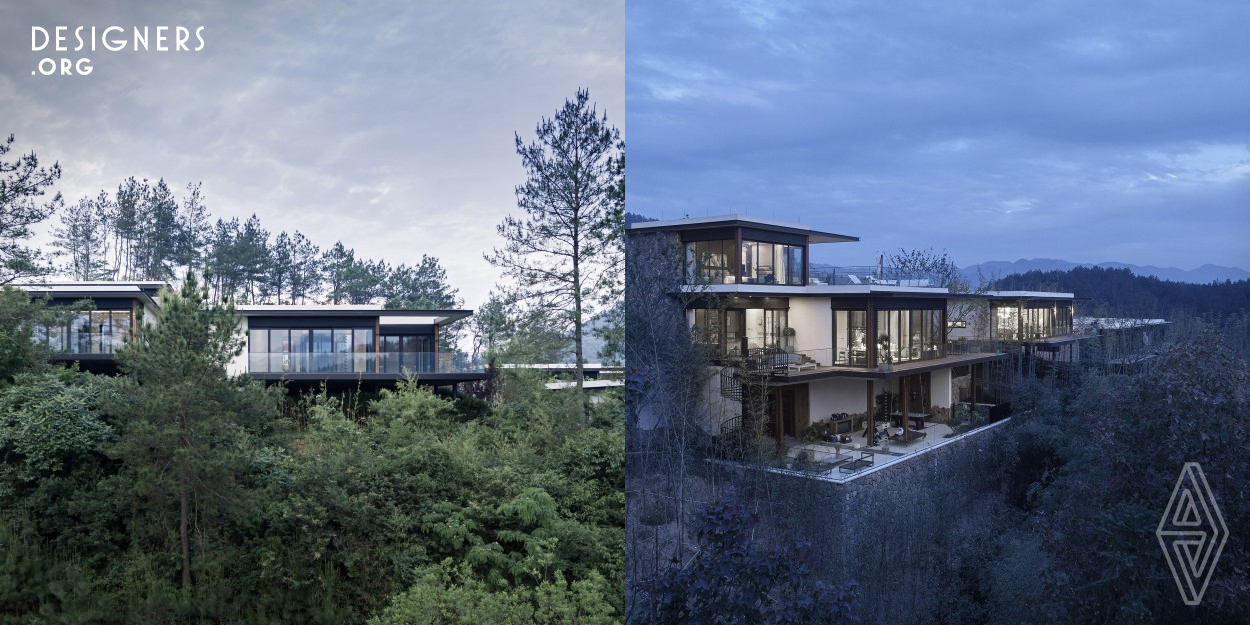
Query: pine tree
x=179 y=422
x=566 y=254
x=83 y=237
x=305 y=280
x=22 y=183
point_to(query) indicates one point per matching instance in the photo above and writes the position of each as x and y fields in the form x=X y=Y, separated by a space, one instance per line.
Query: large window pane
x=735 y=331
x=794 y=264
x=362 y=351
x=121 y=328
x=390 y=353
x=279 y=351
x=710 y=262
x=322 y=350
x=258 y=351
x=342 y=360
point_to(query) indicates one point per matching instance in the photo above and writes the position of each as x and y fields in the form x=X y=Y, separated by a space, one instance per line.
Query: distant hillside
x=1120 y=293
x=635 y=217
x=1205 y=274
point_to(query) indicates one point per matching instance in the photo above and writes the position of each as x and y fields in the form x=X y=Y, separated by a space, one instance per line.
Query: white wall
x=812 y=321
x=940 y=388
x=715 y=409
x=837 y=395
x=238 y=366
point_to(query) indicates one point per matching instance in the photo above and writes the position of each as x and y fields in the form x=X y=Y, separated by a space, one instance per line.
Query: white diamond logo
x=1192 y=533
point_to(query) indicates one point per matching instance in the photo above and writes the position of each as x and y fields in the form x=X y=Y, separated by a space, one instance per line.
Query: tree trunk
x=580 y=372
x=184 y=516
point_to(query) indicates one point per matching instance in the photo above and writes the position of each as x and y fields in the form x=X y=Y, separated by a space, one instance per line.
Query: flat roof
x=1030 y=294
x=143 y=291
x=772 y=290
x=721 y=221
x=385 y=316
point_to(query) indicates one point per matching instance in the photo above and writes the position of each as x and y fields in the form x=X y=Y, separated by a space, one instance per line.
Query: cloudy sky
x=387 y=125
x=1087 y=131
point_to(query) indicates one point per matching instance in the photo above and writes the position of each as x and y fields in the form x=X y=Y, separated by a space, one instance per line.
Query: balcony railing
x=975 y=346
x=82 y=344
x=885 y=276
x=362 y=362
x=780 y=361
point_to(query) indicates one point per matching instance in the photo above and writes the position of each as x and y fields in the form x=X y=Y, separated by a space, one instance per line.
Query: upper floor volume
x=297 y=343
x=746 y=254
x=741 y=250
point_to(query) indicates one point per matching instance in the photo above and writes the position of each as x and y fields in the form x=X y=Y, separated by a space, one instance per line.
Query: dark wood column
x=738 y=254
x=973 y=368
x=870 y=326
x=870 y=426
x=904 y=387
x=806 y=263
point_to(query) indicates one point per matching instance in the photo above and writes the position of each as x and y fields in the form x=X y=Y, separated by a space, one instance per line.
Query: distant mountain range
x=1205 y=274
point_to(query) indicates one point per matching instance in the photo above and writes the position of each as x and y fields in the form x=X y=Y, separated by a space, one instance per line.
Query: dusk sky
x=387 y=125
x=1086 y=131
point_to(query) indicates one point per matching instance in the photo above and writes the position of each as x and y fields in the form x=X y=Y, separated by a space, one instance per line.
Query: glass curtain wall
x=411 y=352
x=772 y=263
x=850 y=337
x=335 y=350
x=763 y=328
x=711 y=262
x=93 y=332
x=728 y=332
x=1007 y=323
x=1012 y=323
x=909 y=335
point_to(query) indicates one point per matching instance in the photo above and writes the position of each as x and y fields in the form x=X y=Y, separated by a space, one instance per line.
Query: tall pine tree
x=566 y=253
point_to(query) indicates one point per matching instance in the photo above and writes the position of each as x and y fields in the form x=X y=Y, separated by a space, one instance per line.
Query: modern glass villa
x=863 y=354
x=298 y=344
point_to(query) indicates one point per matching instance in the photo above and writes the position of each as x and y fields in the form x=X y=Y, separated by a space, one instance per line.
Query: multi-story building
x=304 y=345
x=869 y=355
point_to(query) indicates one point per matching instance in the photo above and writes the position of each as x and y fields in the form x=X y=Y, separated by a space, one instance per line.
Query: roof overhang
x=1017 y=295
x=145 y=292
x=860 y=290
x=385 y=317
x=745 y=221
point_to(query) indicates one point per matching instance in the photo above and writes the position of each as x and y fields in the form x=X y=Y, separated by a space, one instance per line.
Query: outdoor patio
x=826 y=461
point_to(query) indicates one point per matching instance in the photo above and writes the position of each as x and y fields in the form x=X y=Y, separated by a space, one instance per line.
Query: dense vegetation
x=1047 y=518
x=1120 y=293
x=1086 y=473
x=175 y=494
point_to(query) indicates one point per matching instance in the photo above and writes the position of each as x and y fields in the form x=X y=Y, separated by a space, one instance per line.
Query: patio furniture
x=917 y=418
x=908 y=437
x=842 y=422
x=864 y=461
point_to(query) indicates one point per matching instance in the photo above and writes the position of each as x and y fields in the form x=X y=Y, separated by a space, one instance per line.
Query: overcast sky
x=1087 y=131
x=387 y=125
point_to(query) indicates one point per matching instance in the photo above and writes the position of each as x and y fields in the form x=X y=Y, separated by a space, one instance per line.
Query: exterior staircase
x=731 y=382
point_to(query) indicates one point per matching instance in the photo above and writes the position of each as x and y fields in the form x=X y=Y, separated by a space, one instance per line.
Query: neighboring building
x=1119 y=344
x=92 y=336
x=303 y=345
x=860 y=352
